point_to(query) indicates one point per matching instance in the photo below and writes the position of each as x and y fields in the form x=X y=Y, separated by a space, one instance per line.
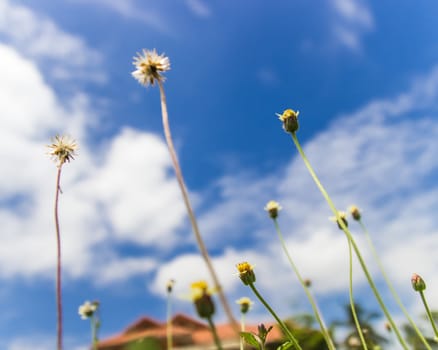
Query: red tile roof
x=186 y=332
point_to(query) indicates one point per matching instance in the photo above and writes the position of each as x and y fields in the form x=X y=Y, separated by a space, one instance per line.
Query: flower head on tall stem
x=149 y=66
x=273 y=207
x=201 y=297
x=63 y=149
x=355 y=212
x=246 y=273
x=87 y=309
x=245 y=304
x=290 y=120
x=418 y=283
x=343 y=217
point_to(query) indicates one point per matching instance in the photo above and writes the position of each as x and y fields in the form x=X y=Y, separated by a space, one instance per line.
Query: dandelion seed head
x=149 y=66
x=63 y=149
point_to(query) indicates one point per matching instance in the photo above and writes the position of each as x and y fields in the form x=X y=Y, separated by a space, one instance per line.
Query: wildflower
x=245 y=304
x=342 y=216
x=355 y=212
x=169 y=285
x=87 y=309
x=290 y=120
x=273 y=207
x=201 y=297
x=418 y=283
x=149 y=66
x=63 y=149
x=246 y=273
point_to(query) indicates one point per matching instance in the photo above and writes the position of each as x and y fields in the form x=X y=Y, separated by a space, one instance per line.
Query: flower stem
x=353 y=243
x=190 y=211
x=94 y=331
x=429 y=314
x=312 y=301
x=390 y=286
x=242 y=329
x=213 y=331
x=169 y=322
x=58 y=266
x=350 y=292
x=285 y=329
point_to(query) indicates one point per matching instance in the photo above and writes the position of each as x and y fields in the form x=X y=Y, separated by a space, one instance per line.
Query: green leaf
x=251 y=339
x=285 y=346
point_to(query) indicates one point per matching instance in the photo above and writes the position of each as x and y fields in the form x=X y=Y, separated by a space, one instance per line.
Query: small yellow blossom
x=201 y=297
x=87 y=309
x=290 y=120
x=149 y=66
x=245 y=304
x=342 y=216
x=273 y=207
x=63 y=149
x=246 y=273
x=355 y=212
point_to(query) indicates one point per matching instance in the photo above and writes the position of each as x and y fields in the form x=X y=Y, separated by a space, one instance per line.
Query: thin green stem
x=94 y=331
x=350 y=238
x=285 y=329
x=190 y=211
x=213 y=331
x=312 y=301
x=58 y=265
x=169 y=322
x=242 y=329
x=350 y=292
x=390 y=286
x=429 y=314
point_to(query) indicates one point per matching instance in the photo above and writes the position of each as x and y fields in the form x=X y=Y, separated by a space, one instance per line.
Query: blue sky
x=363 y=75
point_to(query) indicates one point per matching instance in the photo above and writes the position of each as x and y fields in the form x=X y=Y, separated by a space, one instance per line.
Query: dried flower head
x=63 y=149
x=273 y=207
x=355 y=212
x=418 y=283
x=246 y=273
x=290 y=120
x=245 y=304
x=342 y=216
x=87 y=309
x=149 y=66
x=201 y=297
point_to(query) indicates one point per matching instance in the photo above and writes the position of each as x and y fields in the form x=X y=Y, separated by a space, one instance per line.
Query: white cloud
x=64 y=55
x=381 y=157
x=121 y=192
x=352 y=19
x=130 y=9
x=199 y=8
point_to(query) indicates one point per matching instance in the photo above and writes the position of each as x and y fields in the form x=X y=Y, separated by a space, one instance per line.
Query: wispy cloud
x=116 y=193
x=199 y=8
x=147 y=13
x=380 y=158
x=352 y=19
x=34 y=35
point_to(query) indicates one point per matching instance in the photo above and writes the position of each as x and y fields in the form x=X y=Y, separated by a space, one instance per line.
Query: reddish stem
x=58 y=267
